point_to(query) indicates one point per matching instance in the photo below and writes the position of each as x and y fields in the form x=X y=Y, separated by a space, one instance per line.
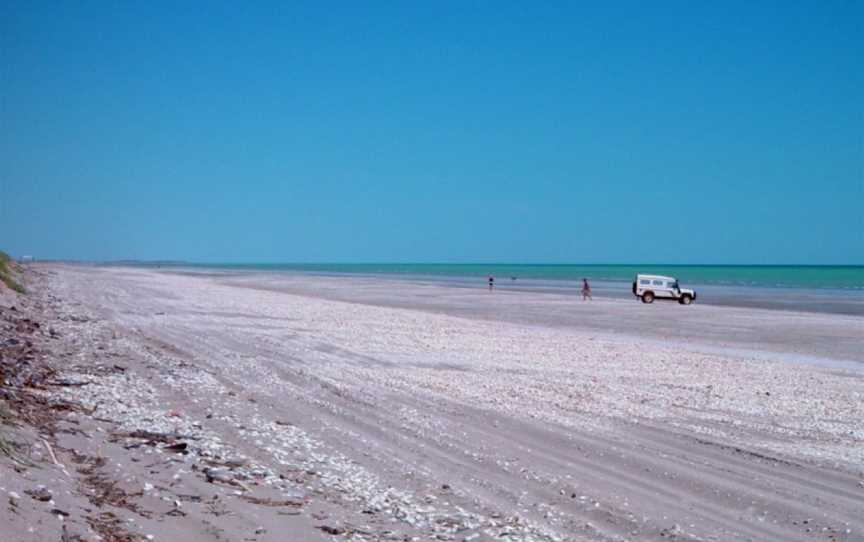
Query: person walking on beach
x=586 y=290
x=491 y=282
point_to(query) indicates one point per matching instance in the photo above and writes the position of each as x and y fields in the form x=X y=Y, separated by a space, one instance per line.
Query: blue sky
x=673 y=132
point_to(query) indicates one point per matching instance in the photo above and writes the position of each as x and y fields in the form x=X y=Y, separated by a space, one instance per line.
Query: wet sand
x=431 y=412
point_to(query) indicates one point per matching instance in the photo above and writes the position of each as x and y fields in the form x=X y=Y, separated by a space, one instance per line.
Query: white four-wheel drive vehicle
x=651 y=287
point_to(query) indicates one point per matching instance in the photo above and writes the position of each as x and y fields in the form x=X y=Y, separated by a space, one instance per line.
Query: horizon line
x=514 y=264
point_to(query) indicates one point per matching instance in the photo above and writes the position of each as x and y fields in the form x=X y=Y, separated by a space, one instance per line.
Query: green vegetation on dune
x=6 y=446
x=7 y=269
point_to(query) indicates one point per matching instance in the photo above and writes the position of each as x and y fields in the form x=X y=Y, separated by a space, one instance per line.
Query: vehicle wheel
x=648 y=297
x=685 y=300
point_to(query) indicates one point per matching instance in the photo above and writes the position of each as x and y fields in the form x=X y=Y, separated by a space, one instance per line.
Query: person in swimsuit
x=491 y=282
x=586 y=290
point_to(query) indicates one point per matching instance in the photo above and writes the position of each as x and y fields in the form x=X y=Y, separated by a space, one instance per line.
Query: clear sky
x=672 y=132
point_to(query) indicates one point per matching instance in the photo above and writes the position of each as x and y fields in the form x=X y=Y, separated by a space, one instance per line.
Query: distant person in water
x=491 y=282
x=586 y=290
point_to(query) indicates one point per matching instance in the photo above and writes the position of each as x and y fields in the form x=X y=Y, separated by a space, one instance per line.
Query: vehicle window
x=658 y=283
x=645 y=282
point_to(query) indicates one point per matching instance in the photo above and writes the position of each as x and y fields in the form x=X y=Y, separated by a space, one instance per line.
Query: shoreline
x=433 y=412
x=844 y=301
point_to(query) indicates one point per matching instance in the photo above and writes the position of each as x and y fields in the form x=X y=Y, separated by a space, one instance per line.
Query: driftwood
x=164 y=438
x=271 y=502
x=54 y=457
x=68 y=383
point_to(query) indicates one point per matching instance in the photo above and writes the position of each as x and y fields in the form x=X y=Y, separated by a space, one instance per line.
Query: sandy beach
x=315 y=408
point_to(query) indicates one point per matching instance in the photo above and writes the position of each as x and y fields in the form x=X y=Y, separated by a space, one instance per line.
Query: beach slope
x=308 y=410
